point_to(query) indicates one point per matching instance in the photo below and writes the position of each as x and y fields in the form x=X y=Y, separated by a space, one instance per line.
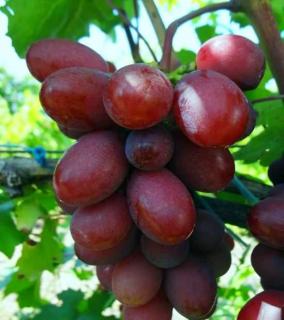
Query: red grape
x=266 y=222
x=202 y=169
x=236 y=57
x=276 y=171
x=219 y=259
x=191 y=288
x=73 y=97
x=251 y=122
x=163 y=256
x=96 y=157
x=158 y=308
x=49 y=55
x=138 y=96
x=111 y=255
x=104 y=274
x=268 y=263
x=210 y=109
x=149 y=149
x=251 y=310
x=161 y=206
x=103 y=225
x=208 y=232
x=135 y=281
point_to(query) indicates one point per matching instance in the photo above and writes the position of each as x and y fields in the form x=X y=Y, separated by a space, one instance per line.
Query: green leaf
x=28 y=292
x=32 y=20
x=186 y=56
x=10 y=237
x=27 y=212
x=204 y=33
x=45 y=255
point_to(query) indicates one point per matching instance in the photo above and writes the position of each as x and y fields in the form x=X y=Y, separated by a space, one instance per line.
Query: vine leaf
x=10 y=236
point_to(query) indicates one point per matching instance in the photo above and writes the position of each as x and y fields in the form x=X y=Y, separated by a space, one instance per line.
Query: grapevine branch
x=172 y=28
x=272 y=98
x=262 y=18
x=156 y=20
x=15 y=172
x=127 y=22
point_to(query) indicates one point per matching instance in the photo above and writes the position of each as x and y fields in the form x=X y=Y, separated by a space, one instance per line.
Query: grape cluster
x=266 y=223
x=128 y=180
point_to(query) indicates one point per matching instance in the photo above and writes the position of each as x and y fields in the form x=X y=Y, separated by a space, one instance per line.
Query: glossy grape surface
x=73 y=97
x=138 y=96
x=98 y=157
x=161 y=206
x=149 y=149
x=103 y=225
x=104 y=274
x=210 y=109
x=236 y=57
x=49 y=55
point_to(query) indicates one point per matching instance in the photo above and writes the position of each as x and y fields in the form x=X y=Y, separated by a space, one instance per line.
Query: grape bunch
x=129 y=179
x=266 y=222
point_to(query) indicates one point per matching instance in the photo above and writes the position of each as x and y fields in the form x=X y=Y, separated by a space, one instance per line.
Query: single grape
x=103 y=225
x=251 y=311
x=236 y=57
x=208 y=232
x=268 y=263
x=202 y=169
x=104 y=274
x=96 y=157
x=138 y=96
x=191 y=288
x=161 y=206
x=276 y=171
x=135 y=281
x=111 y=255
x=49 y=55
x=73 y=97
x=158 y=308
x=210 y=109
x=163 y=256
x=266 y=222
x=219 y=259
x=149 y=149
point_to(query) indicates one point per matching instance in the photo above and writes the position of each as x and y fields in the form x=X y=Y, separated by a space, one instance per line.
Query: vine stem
x=263 y=21
x=156 y=20
x=272 y=98
x=173 y=27
x=245 y=191
x=127 y=22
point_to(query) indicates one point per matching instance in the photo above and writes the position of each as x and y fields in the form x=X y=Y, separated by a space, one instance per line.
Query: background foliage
x=39 y=277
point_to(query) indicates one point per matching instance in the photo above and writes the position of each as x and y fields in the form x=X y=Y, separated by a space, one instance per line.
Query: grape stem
x=156 y=20
x=271 y=98
x=252 y=199
x=173 y=27
x=206 y=206
x=125 y=20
